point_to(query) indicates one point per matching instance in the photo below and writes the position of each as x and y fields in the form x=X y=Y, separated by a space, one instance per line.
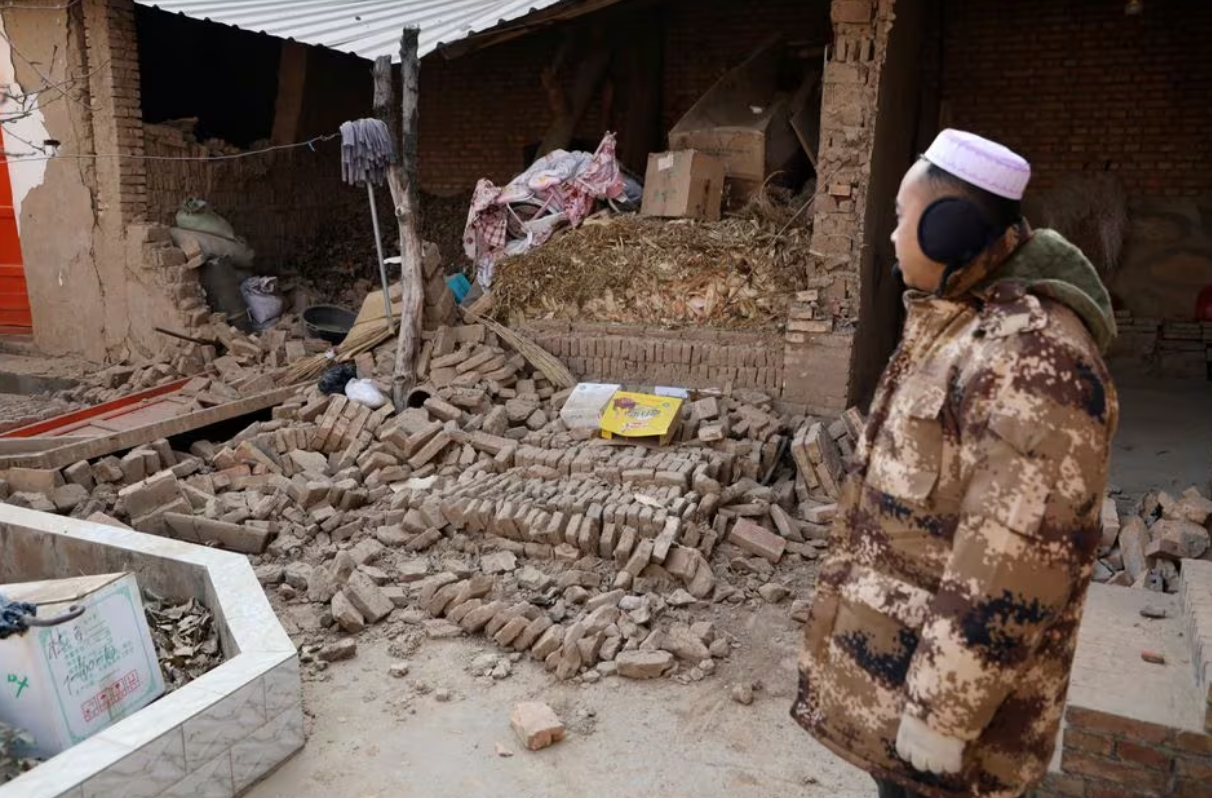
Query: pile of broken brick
x=1146 y=549
x=233 y=365
x=479 y=512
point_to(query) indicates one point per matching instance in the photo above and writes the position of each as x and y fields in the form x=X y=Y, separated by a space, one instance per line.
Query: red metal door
x=14 y=296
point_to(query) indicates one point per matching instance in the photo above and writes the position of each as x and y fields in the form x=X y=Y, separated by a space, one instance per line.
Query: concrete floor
x=1165 y=436
x=373 y=736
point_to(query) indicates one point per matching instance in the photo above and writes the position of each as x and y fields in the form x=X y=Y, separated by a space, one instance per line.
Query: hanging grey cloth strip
x=366 y=151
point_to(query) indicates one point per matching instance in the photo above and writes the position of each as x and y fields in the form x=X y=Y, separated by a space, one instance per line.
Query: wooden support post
x=568 y=110
x=288 y=108
x=403 y=184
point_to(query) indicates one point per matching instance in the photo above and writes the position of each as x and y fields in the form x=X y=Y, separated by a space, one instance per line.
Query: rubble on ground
x=1146 y=548
x=475 y=510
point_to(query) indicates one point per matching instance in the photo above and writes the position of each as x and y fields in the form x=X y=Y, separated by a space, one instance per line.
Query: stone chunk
x=1133 y=540
x=1109 y=517
x=364 y=594
x=773 y=592
x=346 y=614
x=68 y=497
x=150 y=494
x=536 y=725
x=498 y=562
x=33 y=480
x=81 y=474
x=1178 y=540
x=644 y=664
x=342 y=649
x=758 y=540
x=683 y=643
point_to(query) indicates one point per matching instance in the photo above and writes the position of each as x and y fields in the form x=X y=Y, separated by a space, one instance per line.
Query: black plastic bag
x=335 y=378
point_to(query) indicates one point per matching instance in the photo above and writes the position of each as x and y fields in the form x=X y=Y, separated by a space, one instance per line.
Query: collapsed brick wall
x=649 y=355
x=478 y=112
x=1079 y=87
x=279 y=201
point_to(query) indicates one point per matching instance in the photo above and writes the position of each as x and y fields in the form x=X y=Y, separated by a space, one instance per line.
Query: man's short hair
x=1000 y=211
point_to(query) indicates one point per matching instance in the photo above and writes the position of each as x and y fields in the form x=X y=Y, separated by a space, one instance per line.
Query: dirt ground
x=375 y=736
x=1165 y=437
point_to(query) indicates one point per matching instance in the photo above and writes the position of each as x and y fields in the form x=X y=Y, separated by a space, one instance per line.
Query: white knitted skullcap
x=981 y=162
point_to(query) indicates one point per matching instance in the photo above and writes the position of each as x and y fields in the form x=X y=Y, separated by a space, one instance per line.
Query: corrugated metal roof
x=368 y=28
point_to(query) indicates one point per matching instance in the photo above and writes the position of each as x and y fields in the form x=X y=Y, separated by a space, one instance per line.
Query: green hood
x=1050 y=266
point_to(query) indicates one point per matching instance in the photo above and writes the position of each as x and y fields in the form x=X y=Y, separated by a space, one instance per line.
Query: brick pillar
x=113 y=59
x=819 y=344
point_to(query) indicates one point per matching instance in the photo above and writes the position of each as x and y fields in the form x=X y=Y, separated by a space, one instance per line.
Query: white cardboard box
x=65 y=683
x=583 y=408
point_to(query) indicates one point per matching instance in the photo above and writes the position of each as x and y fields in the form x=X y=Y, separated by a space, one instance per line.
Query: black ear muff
x=953 y=231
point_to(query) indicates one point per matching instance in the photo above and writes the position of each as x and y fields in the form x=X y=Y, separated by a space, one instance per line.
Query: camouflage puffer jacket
x=966 y=537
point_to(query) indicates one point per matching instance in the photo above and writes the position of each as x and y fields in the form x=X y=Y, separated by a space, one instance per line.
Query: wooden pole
x=402 y=181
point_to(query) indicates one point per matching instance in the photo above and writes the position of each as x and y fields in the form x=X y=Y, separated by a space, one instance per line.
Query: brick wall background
x=280 y=202
x=1078 y=86
x=478 y=112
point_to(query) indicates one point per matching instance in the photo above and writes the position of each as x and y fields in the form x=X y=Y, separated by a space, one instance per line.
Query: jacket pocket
x=823 y=614
x=907 y=457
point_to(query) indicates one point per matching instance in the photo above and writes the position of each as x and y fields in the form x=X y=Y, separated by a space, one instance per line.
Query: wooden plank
x=99 y=447
x=62 y=424
x=27 y=445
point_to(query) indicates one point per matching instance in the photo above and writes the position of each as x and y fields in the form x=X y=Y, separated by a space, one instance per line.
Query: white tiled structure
x=213 y=738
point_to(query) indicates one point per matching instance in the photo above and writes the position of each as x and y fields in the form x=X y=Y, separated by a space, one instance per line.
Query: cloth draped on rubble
x=13 y=616
x=561 y=187
x=366 y=151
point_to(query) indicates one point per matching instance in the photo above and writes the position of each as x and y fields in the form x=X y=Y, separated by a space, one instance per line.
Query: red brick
x=1189 y=788
x=1119 y=774
x=1138 y=731
x=1193 y=743
x=1142 y=755
x=851 y=11
x=1188 y=767
x=1064 y=785
x=1097 y=744
x=1094 y=790
x=756 y=539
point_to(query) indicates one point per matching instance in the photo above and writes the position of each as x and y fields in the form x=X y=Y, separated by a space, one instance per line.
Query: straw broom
x=555 y=371
x=362 y=338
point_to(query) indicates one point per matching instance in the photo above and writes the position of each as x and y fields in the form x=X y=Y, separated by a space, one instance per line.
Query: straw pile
x=738 y=273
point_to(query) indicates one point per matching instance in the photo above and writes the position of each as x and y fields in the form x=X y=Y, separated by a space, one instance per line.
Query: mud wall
x=94 y=290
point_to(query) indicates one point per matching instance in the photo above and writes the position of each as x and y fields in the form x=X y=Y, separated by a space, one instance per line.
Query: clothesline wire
x=17 y=157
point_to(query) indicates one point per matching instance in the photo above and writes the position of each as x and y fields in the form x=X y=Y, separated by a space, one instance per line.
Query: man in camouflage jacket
x=940 y=640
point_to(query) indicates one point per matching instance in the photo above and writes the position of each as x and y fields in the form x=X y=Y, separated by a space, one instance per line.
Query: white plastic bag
x=264 y=304
x=364 y=392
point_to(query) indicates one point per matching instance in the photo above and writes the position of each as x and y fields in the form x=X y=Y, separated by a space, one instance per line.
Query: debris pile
x=1146 y=549
x=479 y=511
x=185 y=637
x=738 y=273
x=234 y=364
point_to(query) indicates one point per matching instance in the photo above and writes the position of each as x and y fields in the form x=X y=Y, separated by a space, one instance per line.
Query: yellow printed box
x=641 y=415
